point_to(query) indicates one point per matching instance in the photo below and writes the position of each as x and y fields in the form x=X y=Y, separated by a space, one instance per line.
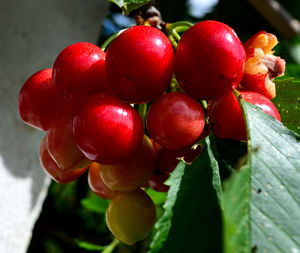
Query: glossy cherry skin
x=40 y=105
x=62 y=147
x=96 y=183
x=132 y=173
x=175 y=120
x=139 y=64
x=55 y=172
x=79 y=71
x=130 y=216
x=209 y=60
x=227 y=118
x=106 y=130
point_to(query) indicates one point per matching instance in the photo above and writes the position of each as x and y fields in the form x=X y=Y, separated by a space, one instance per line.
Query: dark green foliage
x=287 y=101
x=192 y=218
x=262 y=197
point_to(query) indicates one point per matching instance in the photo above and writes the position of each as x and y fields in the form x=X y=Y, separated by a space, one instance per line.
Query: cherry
x=96 y=183
x=62 y=147
x=139 y=64
x=175 y=120
x=56 y=173
x=209 y=60
x=79 y=71
x=167 y=159
x=157 y=182
x=40 y=105
x=132 y=173
x=262 y=67
x=106 y=130
x=130 y=216
x=227 y=118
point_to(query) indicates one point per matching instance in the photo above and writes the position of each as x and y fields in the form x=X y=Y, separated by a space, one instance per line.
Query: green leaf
x=192 y=218
x=229 y=152
x=129 y=5
x=95 y=204
x=262 y=199
x=291 y=71
x=236 y=199
x=158 y=197
x=287 y=102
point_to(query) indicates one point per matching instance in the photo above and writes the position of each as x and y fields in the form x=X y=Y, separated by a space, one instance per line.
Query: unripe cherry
x=132 y=173
x=130 y=216
x=96 y=183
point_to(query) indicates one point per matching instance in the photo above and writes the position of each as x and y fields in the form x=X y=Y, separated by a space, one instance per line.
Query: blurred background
x=72 y=218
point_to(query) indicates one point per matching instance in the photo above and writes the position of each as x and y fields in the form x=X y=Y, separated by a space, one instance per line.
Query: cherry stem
x=106 y=43
x=142 y=110
x=183 y=24
x=174 y=87
x=109 y=248
x=204 y=104
x=173 y=41
x=176 y=35
x=173 y=30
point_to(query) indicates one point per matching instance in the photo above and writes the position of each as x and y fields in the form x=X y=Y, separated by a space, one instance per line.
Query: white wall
x=32 y=33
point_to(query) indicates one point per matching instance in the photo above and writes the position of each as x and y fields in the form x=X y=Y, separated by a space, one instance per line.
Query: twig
x=277 y=16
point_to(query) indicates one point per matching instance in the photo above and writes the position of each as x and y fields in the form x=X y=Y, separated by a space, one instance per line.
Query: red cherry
x=139 y=64
x=79 y=71
x=175 y=120
x=156 y=182
x=40 y=105
x=227 y=117
x=209 y=60
x=55 y=172
x=107 y=130
x=166 y=162
x=62 y=148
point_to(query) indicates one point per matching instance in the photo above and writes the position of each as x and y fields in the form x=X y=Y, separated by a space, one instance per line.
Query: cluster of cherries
x=122 y=116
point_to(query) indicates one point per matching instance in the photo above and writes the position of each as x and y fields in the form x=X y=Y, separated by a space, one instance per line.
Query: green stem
x=142 y=110
x=185 y=24
x=204 y=104
x=110 y=39
x=173 y=41
x=176 y=35
x=173 y=30
x=174 y=85
x=181 y=29
x=109 y=248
